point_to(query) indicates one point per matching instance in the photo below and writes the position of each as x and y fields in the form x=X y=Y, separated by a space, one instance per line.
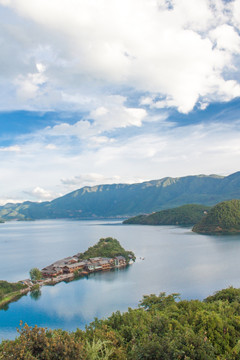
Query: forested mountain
x=182 y=215
x=124 y=200
x=222 y=218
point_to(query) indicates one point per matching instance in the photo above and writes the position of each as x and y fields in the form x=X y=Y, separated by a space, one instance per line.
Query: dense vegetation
x=125 y=200
x=223 y=218
x=107 y=247
x=35 y=274
x=9 y=291
x=162 y=328
x=183 y=215
x=7 y=288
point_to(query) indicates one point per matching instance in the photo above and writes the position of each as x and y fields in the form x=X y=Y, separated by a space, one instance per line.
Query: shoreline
x=12 y=297
x=16 y=295
x=70 y=268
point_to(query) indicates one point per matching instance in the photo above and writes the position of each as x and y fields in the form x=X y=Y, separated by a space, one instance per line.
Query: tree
x=35 y=274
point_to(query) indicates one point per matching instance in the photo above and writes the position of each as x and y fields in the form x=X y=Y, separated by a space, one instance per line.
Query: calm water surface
x=176 y=260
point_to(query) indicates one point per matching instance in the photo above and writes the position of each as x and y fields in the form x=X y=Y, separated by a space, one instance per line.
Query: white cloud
x=116 y=115
x=41 y=194
x=83 y=47
x=92 y=179
x=89 y=179
x=28 y=86
x=235 y=9
x=13 y=148
x=119 y=64
x=6 y=200
x=113 y=114
x=226 y=38
x=44 y=173
x=79 y=129
x=51 y=147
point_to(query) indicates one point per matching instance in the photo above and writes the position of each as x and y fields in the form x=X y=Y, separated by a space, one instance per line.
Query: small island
x=107 y=254
x=223 y=218
x=183 y=215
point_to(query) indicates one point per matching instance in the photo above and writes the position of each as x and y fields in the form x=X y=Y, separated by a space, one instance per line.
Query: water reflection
x=35 y=294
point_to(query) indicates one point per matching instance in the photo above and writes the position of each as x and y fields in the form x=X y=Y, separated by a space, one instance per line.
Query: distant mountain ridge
x=125 y=200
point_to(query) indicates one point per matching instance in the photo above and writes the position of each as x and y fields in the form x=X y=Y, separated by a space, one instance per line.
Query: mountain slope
x=223 y=218
x=124 y=200
x=182 y=215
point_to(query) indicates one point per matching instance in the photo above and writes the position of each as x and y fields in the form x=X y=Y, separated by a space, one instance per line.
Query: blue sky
x=109 y=91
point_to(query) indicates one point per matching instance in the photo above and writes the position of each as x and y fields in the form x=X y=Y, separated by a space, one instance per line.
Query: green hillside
x=107 y=247
x=162 y=328
x=183 y=215
x=222 y=219
x=124 y=200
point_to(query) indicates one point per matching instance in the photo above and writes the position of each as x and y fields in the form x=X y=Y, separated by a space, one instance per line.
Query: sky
x=116 y=91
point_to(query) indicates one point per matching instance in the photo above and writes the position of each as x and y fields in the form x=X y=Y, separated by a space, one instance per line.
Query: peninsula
x=107 y=254
x=223 y=218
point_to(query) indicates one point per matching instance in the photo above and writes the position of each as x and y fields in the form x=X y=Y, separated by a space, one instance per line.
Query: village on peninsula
x=71 y=267
x=107 y=254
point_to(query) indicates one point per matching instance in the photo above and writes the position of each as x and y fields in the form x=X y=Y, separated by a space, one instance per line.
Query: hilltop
x=182 y=215
x=107 y=247
x=223 y=218
x=124 y=200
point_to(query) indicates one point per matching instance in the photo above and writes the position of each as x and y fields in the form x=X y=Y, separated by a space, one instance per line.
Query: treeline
x=107 y=247
x=163 y=327
x=183 y=215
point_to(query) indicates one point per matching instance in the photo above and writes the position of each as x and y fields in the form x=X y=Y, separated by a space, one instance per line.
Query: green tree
x=35 y=274
x=108 y=247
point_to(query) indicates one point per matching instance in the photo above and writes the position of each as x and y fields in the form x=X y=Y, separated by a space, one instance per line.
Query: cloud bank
x=133 y=85
x=179 y=53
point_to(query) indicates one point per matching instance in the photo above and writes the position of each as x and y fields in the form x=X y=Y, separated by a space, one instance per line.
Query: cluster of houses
x=71 y=264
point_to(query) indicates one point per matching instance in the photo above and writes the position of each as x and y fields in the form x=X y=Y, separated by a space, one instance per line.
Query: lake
x=175 y=260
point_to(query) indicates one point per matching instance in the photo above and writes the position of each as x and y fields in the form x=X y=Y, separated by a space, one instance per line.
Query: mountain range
x=125 y=200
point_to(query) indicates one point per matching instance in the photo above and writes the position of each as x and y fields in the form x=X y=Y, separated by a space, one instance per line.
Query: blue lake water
x=176 y=260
